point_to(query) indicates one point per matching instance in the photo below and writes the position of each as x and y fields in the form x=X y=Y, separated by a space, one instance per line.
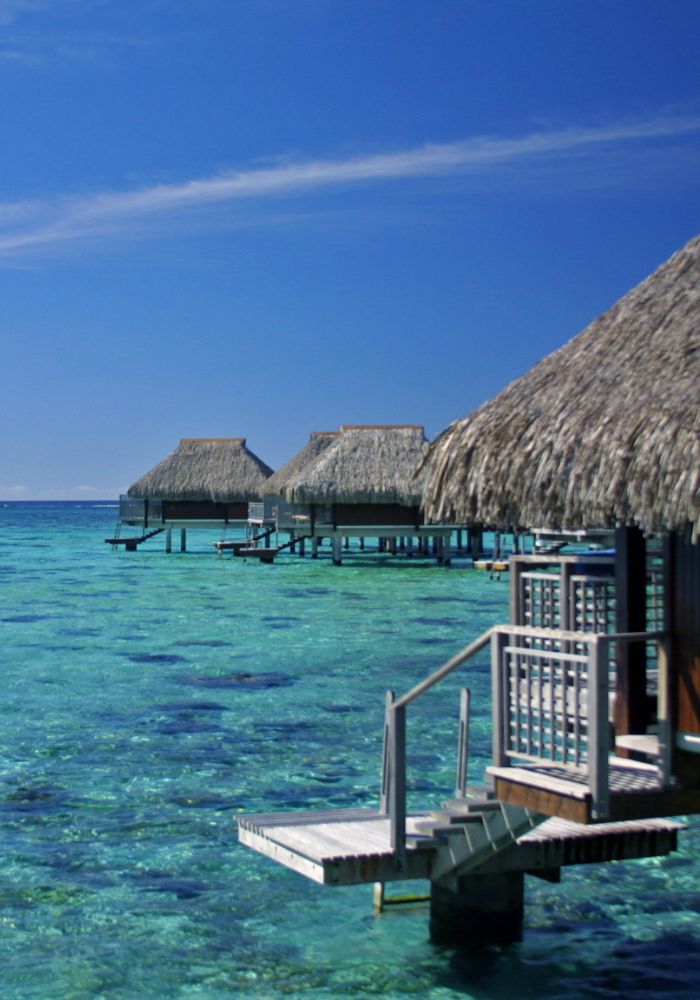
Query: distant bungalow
x=358 y=482
x=596 y=678
x=204 y=483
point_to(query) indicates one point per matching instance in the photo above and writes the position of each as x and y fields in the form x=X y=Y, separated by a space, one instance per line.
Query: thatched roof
x=317 y=444
x=603 y=432
x=220 y=469
x=370 y=464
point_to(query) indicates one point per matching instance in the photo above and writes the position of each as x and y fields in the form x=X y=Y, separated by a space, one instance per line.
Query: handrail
x=532 y=631
x=444 y=670
x=394 y=777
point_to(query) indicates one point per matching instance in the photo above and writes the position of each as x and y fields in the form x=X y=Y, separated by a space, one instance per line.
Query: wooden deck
x=350 y=847
x=337 y=846
x=635 y=791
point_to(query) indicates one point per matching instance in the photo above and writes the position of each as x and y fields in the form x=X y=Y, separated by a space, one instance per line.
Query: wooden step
x=441 y=824
x=642 y=743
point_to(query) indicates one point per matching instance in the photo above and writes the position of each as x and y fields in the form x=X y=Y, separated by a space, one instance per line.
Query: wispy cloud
x=27 y=225
x=38 y=34
x=13 y=10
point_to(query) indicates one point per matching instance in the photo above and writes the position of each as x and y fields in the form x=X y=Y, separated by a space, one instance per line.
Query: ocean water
x=148 y=699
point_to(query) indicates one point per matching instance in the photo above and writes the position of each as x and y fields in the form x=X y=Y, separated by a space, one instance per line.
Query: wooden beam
x=551 y=803
x=631 y=710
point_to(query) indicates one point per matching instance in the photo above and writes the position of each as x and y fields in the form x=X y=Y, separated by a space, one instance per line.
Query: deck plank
x=345 y=847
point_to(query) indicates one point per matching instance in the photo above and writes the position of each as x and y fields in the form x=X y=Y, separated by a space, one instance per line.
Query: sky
x=263 y=218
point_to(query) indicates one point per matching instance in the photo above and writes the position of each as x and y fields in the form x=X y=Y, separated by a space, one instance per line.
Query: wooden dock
x=352 y=846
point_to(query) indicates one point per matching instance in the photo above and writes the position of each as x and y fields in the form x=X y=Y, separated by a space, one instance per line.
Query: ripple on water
x=242 y=681
x=25 y=619
x=167 y=658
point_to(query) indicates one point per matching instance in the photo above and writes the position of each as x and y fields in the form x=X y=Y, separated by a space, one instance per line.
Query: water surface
x=148 y=699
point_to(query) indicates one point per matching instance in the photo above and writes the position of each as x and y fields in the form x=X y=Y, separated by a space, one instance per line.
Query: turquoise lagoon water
x=148 y=699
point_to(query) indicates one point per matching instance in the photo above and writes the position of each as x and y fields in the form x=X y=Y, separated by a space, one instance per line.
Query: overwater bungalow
x=204 y=483
x=273 y=514
x=596 y=678
x=357 y=483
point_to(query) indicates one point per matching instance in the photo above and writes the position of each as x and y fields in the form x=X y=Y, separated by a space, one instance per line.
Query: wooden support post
x=598 y=728
x=459 y=539
x=183 y=539
x=516 y=611
x=378 y=897
x=631 y=709
x=362 y=545
x=302 y=547
x=314 y=547
x=337 y=550
x=485 y=908
x=169 y=540
x=476 y=541
x=346 y=543
x=438 y=547
x=392 y=546
x=446 y=550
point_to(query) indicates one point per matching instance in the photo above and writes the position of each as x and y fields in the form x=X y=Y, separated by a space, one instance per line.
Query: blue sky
x=262 y=218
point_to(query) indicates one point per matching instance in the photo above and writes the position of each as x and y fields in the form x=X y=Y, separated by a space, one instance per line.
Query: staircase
x=471 y=830
x=132 y=542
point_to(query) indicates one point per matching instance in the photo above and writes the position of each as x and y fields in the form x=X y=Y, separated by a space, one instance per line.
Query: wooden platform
x=349 y=847
x=235 y=547
x=257 y=552
x=492 y=565
x=635 y=792
x=132 y=542
x=336 y=846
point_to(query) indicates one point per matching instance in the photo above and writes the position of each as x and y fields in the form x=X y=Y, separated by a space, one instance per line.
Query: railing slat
x=546 y=692
x=463 y=744
x=397 y=791
x=387 y=766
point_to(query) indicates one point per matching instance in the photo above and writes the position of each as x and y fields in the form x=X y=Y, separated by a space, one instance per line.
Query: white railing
x=256 y=511
x=293 y=516
x=393 y=799
x=138 y=511
x=551 y=698
x=551 y=702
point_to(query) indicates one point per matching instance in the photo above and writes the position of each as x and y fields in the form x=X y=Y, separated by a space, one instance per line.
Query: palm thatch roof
x=603 y=432
x=215 y=469
x=365 y=464
x=317 y=444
